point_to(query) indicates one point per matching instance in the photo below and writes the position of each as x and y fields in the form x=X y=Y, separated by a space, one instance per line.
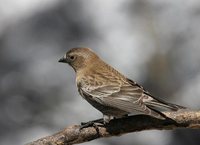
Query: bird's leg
x=124 y=116
x=99 y=122
x=107 y=118
x=93 y=123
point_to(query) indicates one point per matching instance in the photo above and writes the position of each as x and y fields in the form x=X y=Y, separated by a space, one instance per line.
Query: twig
x=73 y=134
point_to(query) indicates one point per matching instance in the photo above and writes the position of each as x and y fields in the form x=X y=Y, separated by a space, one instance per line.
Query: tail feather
x=165 y=106
x=159 y=104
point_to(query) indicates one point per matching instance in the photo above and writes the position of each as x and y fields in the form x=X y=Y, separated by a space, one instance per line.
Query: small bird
x=109 y=91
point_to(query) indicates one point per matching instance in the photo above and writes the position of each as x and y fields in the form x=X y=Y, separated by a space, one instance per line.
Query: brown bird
x=109 y=91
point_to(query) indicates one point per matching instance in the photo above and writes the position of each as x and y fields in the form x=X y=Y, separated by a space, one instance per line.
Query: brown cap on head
x=78 y=57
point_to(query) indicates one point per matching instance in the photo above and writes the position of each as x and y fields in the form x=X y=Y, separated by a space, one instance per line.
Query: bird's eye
x=72 y=57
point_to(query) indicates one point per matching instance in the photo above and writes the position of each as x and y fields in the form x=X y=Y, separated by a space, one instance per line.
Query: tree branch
x=73 y=134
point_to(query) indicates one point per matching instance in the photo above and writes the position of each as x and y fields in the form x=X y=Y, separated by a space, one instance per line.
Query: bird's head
x=78 y=58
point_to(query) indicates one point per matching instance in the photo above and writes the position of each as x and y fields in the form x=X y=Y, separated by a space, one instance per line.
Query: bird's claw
x=88 y=124
x=94 y=123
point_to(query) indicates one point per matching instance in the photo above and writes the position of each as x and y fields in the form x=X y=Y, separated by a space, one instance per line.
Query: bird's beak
x=63 y=59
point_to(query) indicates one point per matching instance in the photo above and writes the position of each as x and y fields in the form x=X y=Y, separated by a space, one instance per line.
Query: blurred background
x=155 y=43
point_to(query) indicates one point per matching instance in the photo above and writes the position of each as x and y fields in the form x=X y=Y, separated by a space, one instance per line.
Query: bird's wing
x=155 y=103
x=127 y=97
x=130 y=98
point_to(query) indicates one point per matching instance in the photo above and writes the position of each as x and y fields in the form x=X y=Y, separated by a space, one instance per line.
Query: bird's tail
x=164 y=106
x=159 y=104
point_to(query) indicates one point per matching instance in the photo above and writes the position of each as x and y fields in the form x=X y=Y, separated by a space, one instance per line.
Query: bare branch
x=73 y=134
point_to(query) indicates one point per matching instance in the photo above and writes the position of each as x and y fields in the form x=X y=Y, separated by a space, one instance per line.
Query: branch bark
x=73 y=134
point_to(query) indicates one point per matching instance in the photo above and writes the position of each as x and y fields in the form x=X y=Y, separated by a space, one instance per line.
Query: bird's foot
x=94 y=123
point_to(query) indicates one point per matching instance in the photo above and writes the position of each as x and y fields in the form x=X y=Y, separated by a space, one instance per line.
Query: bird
x=109 y=91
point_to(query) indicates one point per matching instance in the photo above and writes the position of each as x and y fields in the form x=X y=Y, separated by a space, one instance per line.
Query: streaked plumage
x=108 y=90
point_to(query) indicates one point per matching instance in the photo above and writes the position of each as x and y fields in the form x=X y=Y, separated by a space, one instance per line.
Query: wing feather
x=125 y=97
x=123 y=94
